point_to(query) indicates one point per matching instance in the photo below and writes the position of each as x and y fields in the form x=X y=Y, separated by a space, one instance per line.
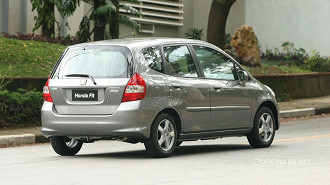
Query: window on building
x=165 y=12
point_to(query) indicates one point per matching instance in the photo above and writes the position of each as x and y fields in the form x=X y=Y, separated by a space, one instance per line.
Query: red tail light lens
x=47 y=96
x=135 y=88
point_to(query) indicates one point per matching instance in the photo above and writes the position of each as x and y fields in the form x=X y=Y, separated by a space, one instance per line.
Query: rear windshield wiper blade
x=82 y=75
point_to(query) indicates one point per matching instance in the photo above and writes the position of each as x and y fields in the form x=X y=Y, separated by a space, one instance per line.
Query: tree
x=114 y=22
x=45 y=17
x=217 y=21
x=103 y=13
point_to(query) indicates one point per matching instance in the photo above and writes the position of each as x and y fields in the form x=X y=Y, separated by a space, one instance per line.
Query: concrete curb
x=297 y=113
x=13 y=140
x=304 y=112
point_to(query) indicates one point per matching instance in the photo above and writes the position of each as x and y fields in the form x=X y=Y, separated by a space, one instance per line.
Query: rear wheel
x=263 y=132
x=163 y=135
x=65 y=146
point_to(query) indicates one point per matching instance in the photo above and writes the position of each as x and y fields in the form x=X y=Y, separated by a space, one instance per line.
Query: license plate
x=84 y=95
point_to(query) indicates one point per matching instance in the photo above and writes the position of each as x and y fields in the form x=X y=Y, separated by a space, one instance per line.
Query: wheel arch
x=175 y=115
x=271 y=105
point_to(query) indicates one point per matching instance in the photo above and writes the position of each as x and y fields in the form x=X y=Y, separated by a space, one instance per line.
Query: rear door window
x=99 y=63
x=154 y=58
x=179 y=61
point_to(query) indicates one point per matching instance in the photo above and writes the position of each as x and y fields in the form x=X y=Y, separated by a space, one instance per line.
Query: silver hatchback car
x=159 y=91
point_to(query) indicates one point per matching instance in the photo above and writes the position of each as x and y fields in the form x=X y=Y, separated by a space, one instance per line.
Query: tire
x=65 y=146
x=263 y=131
x=178 y=143
x=163 y=131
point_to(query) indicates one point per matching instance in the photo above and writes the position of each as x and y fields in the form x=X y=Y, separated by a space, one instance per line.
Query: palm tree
x=103 y=13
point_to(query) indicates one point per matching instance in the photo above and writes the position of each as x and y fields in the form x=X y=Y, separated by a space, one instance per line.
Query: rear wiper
x=82 y=75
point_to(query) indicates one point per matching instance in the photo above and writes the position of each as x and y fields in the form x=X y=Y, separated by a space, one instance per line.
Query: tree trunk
x=45 y=30
x=114 y=21
x=100 y=22
x=98 y=32
x=217 y=21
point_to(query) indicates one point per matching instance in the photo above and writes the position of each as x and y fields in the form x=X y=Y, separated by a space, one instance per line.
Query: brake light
x=135 y=88
x=46 y=92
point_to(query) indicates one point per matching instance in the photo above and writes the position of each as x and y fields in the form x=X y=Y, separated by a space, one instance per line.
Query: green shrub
x=283 y=97
x=194 y=33
x=318 y=63
x=227 y=38
x=20 y=108
x=287 y=53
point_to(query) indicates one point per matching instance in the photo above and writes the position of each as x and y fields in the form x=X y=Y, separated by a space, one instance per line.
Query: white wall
x=14 y=17
x=200 y=17
x=196 y=15
x=236 y=16
x=30 y=20
x=306 y=23
x=0 y=15
x=73 y=20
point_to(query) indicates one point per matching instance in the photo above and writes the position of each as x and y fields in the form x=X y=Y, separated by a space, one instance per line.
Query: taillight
x=47 y=96
x=135 y=88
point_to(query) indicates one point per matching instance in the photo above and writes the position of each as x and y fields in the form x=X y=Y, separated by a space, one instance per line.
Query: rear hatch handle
x=82 y=75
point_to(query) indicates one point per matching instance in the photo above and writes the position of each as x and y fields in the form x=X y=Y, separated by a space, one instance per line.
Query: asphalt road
x=300 y=154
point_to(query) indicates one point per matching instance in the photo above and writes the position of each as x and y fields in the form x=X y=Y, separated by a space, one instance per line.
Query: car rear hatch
x=90 y=80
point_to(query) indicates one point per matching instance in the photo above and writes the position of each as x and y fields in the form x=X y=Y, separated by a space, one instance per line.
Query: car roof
x=140 y=42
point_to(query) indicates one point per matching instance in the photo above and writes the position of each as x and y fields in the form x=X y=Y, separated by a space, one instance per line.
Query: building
x=303 y=22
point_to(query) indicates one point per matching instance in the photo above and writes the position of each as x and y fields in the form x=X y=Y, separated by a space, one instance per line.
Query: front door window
x=214 y=64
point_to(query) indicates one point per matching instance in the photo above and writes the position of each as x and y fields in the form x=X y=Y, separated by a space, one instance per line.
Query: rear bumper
x=127 y=121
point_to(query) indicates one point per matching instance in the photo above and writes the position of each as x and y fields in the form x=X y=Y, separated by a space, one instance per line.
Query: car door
x=230 y=99
x=188 y=93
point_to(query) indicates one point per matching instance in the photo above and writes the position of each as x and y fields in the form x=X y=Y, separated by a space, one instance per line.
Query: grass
x=21 y=58
x=27 y=58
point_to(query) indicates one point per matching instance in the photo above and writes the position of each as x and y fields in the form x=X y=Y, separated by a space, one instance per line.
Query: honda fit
x=158 y=91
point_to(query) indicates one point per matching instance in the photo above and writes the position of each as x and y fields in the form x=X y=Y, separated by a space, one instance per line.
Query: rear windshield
x=99 y=63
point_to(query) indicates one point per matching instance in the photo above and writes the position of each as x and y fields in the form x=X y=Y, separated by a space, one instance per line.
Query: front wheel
x=163 y=135
x=65 y=146
x=263 y=131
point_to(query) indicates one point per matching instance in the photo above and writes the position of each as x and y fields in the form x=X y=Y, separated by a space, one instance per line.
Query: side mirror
x=243 y=77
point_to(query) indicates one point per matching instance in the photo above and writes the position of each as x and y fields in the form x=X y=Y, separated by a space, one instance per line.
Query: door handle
x=176 y=86
x=216 y=87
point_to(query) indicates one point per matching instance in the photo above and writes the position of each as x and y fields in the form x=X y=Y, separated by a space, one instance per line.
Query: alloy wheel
x=266 y=127
x=165 y=135
x=71 y=143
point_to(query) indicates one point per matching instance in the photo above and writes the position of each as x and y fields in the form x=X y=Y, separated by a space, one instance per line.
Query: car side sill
x=212 y=134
